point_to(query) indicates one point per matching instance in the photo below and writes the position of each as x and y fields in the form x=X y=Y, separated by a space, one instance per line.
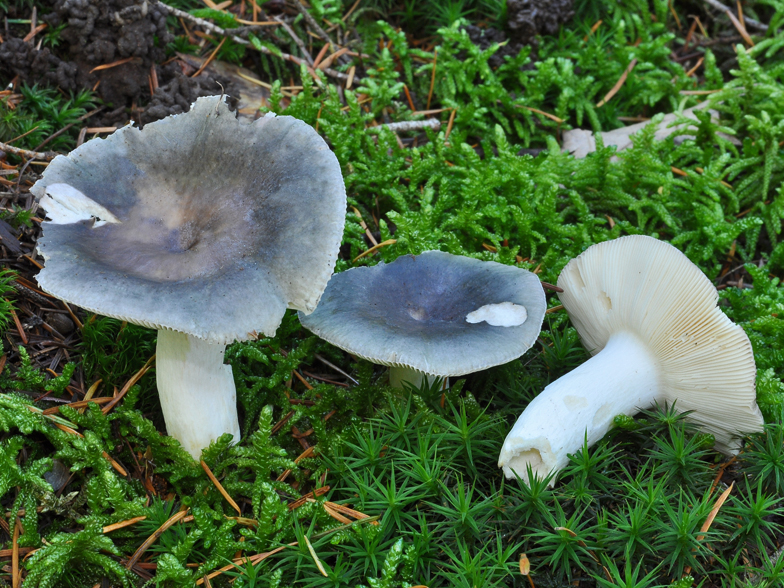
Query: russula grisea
x=202 y=227
x=649 y=318
x=431 y=314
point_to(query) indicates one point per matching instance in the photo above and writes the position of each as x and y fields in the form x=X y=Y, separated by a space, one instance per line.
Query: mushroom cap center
x=179 y=232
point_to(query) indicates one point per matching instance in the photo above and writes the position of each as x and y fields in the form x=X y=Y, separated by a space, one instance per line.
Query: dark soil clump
x=104 y=32
x=525 y=20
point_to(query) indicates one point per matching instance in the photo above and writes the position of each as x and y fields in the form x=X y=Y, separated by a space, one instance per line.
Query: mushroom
x=649 y=318
x=199 y=226
x=432 y=314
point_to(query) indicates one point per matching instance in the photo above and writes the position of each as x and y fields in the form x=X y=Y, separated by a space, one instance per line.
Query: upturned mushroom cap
x=197 y=223
x=417 y=312
x=648 y=288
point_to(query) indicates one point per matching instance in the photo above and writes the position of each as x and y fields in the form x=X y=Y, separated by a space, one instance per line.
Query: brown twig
x=45 y=155
x=750 y=22
x=135 y=378
x=82 y=118
x=207 y=25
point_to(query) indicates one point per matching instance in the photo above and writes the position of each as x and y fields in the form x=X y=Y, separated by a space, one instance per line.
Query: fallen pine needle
x=711 y=516
x=209 y=59
x=374 y=249
x=123 y=524
x=542 y=112
x=135 y=378
x=113 y=64
x=614 y=90
x=15 y=574
x=220 y=487
x=315 y=557
x=741 y=28
x=154 y=537
x=714 y=511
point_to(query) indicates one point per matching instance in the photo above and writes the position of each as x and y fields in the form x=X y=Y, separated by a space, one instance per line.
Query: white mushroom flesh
x=65 y=204
x=504 y=314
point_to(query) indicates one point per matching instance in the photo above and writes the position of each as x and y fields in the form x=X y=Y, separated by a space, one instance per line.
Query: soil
x=526 y=19
x=103 y=32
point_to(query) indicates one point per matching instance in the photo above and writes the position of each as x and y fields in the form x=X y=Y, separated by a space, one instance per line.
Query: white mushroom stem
x=399 y=375
x=196 y=389
x=621 y=379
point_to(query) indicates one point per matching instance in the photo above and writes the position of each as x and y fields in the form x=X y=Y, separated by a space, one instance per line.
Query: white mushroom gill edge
x=197 y=392
x=504 y=314
x=65 y=205
x=621 y=379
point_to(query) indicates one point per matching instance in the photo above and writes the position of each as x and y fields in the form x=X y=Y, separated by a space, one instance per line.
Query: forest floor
x=453 y=123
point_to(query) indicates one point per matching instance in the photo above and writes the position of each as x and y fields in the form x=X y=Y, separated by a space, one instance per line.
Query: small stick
x=554 y=309
x=154 y=537
x=408 y=125
x=754 y=24
x=262 y=49
x=364 y=226
x=300 y=43
x=80 y=404
x=66 y=127
x=18 y=324
x=548 y=286
x=46 y=155
x=220 y=487
x=312 y=23
x=333 y=366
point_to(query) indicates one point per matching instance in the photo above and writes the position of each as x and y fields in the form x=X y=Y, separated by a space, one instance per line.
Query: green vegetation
x=421 y=464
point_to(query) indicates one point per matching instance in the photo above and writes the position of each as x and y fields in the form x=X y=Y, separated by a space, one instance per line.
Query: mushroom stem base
x=196 y=389
x=403 y=375
x=621 y=379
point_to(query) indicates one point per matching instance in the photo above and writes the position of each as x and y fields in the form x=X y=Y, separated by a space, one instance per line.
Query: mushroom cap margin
x=275 y=178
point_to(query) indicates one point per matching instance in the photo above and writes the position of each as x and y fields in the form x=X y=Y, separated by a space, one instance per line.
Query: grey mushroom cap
x=222 y=225
x=412 y=313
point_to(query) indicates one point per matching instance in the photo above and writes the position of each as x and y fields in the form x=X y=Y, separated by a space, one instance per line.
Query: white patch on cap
x=504 y=314
x=65 y=205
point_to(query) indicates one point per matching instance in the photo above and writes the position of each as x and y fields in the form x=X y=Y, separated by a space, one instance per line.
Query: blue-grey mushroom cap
x=198 y=223
x=412 y=313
